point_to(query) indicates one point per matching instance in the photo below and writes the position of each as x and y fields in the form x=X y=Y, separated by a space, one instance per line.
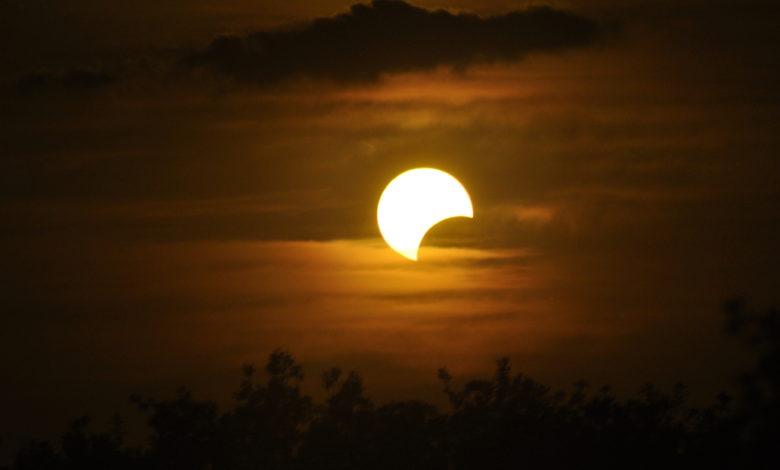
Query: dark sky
x=187 y=185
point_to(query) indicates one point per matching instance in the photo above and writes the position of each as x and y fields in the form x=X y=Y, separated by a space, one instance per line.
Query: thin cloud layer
x=391 y=36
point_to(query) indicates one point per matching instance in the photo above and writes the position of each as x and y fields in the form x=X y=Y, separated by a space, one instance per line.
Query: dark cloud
x=8 y=7
x=73 y=80
x=390 y=36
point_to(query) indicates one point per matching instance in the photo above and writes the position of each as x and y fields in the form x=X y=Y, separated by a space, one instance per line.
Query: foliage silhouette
x=759 y=415
x=507 y=422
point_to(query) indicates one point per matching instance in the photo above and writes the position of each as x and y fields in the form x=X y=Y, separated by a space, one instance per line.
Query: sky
x=186 y=186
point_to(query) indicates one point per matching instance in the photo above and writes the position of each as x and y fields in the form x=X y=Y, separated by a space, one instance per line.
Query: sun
x=414 y=202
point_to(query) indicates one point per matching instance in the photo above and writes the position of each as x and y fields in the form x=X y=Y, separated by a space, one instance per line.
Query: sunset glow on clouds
x=168 y=225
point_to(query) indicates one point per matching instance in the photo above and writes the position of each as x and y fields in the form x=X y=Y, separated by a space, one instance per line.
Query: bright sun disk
x=414 y=202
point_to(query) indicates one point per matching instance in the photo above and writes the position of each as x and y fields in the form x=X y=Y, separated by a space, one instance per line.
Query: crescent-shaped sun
x=414 y=202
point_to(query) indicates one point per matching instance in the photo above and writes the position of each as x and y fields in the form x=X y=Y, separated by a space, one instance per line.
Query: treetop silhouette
x=507 y=422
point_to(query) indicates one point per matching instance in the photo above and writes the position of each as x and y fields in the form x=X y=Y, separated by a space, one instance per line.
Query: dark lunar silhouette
x=507 y=422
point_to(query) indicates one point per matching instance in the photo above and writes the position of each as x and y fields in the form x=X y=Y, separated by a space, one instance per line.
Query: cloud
x=72 y=80
x=389 y=36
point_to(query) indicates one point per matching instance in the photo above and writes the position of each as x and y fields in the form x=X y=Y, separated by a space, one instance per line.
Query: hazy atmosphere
x=186 y=186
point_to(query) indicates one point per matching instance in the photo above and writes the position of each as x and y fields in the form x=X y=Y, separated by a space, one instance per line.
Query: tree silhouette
x=507 y=422
x=759 y=414
x=80 y=451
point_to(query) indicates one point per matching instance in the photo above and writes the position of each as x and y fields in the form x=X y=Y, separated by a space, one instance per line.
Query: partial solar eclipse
x=414 y=202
